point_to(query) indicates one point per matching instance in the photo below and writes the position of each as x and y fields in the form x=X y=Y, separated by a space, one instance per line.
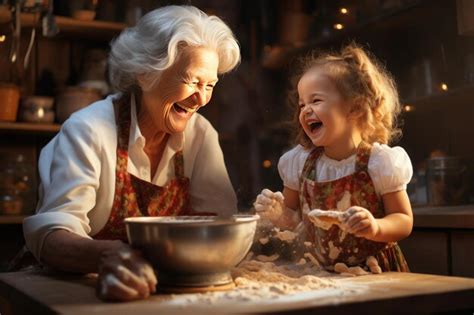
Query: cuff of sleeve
x=291 y=186
x=37 y=227
x=393 y=189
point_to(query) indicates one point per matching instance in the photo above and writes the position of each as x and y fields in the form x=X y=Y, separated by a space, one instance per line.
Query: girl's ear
x=355 y=111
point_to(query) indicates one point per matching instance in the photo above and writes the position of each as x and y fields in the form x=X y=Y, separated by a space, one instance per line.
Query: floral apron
x=135 y=197
x=335 y=245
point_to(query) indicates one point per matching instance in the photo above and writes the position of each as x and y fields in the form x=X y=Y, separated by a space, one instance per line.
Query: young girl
x=346 y=106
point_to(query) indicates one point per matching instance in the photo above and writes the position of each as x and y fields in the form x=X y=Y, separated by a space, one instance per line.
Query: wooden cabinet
x=462 y=253
x=60 y=56
x=426 y=251
x=442 y=241
x=440 y=251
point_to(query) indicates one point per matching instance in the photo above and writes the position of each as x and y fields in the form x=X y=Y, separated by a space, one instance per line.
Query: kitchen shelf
x=452 y=97
x=277 y=56
x=12 y=219
x=71 y=27
x=29 y=128
x=455 y=217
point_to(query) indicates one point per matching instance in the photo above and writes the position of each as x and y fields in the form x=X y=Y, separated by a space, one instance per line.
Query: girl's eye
x=316 y=101
x=301 y=106
x=209 y=87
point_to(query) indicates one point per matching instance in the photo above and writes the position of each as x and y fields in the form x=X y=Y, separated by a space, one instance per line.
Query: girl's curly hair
x=363 y=80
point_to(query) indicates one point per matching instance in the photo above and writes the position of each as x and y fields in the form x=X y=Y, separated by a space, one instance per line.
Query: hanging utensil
x=15 y=47
x=50 y=27
x=29 y=49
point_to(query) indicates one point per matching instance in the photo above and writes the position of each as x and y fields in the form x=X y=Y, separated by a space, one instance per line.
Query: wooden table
x=33 y=292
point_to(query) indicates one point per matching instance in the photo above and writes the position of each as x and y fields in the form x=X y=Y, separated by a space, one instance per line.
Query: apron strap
x=363 y=155
x=309 y=169
x=179 y=164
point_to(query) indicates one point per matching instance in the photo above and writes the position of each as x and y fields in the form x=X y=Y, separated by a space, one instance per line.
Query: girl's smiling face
x=324 y=113
x=181 y=89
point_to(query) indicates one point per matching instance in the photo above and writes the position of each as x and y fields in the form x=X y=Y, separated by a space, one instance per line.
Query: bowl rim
x=193 y=220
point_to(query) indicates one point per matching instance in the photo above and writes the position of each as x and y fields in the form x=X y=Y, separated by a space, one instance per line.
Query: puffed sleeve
x=69 y=169
x=390 y=168
x=291 y=165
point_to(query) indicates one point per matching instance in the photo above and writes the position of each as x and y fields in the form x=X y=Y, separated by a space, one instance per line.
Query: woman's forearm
x=67 y=251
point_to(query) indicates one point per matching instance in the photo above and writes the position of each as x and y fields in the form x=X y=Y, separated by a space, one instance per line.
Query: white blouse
x=77 y=172
x=389 y=168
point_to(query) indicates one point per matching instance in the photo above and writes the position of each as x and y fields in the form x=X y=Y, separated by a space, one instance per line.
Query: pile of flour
x=260 y=282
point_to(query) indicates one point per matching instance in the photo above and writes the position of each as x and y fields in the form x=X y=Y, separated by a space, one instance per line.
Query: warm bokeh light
x=408 y=108
x=444 y=86
x=338 y=26
x=267 y=164
x=343 y=10
x=2 y=38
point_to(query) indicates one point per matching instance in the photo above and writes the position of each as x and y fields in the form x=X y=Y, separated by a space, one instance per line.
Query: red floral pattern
x=135 y=197
x=334 y=245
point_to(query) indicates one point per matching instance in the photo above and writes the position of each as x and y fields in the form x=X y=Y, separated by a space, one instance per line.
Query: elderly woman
x=144 y=151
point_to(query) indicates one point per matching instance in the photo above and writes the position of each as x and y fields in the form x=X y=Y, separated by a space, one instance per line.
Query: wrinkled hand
x=269 y=204
x=360 y=222
x=124 y=275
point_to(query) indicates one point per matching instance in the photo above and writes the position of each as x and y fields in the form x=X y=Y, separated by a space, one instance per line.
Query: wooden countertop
x=456 y=217
x=35 y=292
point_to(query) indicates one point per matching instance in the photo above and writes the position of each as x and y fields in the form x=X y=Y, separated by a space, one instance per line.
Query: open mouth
x=315 y=125
x=183 y=109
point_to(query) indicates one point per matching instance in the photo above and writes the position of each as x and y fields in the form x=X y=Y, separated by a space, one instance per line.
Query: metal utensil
x=192 y=251
x=49 y=25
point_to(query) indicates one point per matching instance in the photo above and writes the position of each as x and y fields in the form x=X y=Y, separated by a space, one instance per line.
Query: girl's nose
x=306 y=110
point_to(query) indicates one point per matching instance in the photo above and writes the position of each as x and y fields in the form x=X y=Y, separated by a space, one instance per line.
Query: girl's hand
x=360 y=222
x=124 y=275
x=269 y=204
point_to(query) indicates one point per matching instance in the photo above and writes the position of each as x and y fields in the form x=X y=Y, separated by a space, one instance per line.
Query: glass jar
x=17 y=184
x=447 y=181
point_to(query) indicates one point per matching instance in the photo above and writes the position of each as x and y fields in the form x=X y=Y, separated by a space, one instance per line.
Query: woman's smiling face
x=323 y=110
x=181 y=89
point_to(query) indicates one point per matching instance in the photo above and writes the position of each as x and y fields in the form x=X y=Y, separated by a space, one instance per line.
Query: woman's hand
x=360 y=222
x=269 y=204
x=124 y=275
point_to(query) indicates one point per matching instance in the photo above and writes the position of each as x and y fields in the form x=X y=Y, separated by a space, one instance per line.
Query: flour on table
x=268 y=282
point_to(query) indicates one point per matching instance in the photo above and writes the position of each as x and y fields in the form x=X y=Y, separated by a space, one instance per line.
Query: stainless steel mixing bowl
x=192 y=251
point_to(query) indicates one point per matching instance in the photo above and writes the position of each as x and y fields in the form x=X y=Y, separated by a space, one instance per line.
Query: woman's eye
x=192 y=84
x=316 y=101
x=209 y=86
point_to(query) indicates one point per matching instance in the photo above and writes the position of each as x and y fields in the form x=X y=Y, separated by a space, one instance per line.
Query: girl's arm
x=396 y=225
x=289 y=218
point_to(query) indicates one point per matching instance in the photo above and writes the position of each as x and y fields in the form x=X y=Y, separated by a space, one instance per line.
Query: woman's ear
x=142 y=81
x=146 y=81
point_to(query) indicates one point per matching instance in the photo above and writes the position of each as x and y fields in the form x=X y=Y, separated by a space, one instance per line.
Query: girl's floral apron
x=135 y=197
x=334 y=245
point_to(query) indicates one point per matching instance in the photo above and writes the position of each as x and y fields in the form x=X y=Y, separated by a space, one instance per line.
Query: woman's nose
x=200 y=97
